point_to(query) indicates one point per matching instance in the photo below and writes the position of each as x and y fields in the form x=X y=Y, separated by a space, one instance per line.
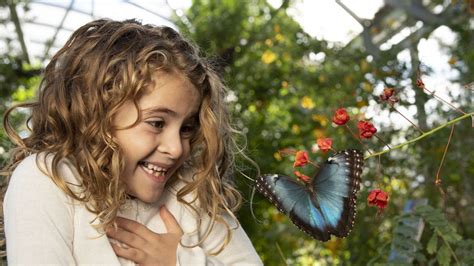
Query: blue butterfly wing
x=294 y=199
x=327 y=205
x=335 y=189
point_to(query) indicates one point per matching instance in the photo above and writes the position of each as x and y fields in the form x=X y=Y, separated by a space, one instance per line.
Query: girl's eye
x=159 y=124
x=188 y=130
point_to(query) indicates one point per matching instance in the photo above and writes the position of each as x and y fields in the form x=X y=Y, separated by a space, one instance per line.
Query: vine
x=422 y=136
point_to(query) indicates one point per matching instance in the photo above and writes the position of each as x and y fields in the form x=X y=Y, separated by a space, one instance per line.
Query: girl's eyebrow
x=168 y=111
x=160 y=110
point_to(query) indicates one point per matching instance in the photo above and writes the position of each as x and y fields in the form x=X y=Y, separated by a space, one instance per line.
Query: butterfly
x=327 y=204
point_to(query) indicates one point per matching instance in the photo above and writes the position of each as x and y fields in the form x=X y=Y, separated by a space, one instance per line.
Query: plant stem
x=449 y=246
x=424 y=135
x=441 y=99
x=444 y=155
x=385 y=143
x=313 y=164
x=408 y=120
x=438 y=179
x=469 y=86
x=357 y=137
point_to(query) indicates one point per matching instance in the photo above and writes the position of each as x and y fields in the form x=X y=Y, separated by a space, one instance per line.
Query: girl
x=129 y=159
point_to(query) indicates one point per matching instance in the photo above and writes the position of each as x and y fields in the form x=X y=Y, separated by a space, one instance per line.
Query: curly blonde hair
x=104 y=64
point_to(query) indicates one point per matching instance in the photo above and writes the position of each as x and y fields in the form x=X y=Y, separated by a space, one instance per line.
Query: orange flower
x=302 y=177
x=340 y=117
x=419 y=83
x=388 y=95
x=301 y=159
x=388 y=92
x=324 y=144
x=366 y=129
x=378 y=198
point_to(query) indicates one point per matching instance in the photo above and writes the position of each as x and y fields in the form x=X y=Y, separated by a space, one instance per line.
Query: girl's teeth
x=158 y=173
x=149 y=171
x=153 y=169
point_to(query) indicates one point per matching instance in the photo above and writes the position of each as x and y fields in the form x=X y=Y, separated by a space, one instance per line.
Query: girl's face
x=159 y=144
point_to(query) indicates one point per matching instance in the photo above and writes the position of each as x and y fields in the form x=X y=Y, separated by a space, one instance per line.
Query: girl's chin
x=146 y=198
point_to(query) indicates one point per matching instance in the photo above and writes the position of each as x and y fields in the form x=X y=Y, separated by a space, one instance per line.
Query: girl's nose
x=171 y=143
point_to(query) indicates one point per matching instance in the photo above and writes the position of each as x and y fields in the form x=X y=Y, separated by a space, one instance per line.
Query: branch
x=418 y=11
x=19 y=32
x=149 y=11
x=423 y=135
x=50 y=43
x=184 y=19
x=366 y=36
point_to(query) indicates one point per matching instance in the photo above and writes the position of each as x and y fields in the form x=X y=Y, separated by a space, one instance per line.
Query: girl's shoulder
x=36 y=170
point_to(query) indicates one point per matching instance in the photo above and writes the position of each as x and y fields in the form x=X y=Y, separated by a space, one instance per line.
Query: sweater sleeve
x=38 y=218
x=239 y=251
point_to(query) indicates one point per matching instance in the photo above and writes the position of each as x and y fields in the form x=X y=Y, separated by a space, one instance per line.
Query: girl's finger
x=170 y=222
x=129 y=238
x=129 y=253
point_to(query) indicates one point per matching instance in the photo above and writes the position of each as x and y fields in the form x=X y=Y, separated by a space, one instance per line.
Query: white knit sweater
x=45 y=226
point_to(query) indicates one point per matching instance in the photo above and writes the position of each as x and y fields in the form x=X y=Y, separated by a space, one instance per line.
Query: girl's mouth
x=152 y=169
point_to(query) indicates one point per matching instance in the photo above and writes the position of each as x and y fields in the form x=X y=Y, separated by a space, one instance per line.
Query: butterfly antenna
x=251 y=206
x=246 y=176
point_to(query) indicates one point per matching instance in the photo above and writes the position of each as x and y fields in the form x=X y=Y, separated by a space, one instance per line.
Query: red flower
x=388 y=92
x=301 y=176
x=388 y=95
x=340 y=117
x=419 y=83
x=324 y=144
x=366 y=129
x=378 y=198
x=301 y=159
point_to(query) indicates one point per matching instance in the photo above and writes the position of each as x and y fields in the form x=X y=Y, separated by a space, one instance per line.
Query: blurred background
x=290 y=65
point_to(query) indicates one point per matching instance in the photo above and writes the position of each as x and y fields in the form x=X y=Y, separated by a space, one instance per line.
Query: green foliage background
x=282 y=98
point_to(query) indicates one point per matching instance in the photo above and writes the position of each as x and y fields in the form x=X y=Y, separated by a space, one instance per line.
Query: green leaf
x=397 y=263
x=438 y=222
x=432 y=244
x=451 y=236
x=405 y=230
x=420 y=257
x=415 y=244
x=432 y=262
x=444 y=255
x=464 y=251
x=402 y=244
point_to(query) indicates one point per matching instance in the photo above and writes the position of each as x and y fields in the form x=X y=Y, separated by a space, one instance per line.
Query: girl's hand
x=144 y=245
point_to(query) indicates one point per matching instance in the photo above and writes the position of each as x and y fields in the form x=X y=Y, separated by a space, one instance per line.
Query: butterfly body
x=325 y=206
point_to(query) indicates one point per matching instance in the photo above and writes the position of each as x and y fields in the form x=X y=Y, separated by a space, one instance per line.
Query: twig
x=424 y=135
x=449 y=246
x=313 y=164
x=438 y=179
x=355 y=136
x=385 y=143
x=444 y=155
x=442 y=100
x=408 y=120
